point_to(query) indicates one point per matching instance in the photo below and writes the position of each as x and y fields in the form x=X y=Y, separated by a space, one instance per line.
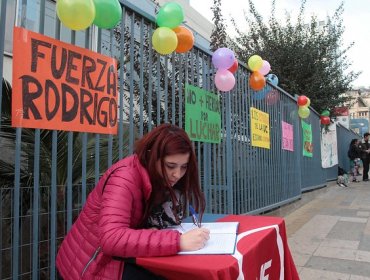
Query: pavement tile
x=364 y=242
x=318 y=227
x=336 y=253
x=300 y=259
x=340 y=243
x=363 y=256
x=352 y=219
x=347 y=231
x=363 y=213
x=303 y=246
x=356 y=277
x=350 y=267
x=314 y=274
x=367 y=228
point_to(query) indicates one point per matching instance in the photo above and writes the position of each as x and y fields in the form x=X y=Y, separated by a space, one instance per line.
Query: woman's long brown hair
x=162 y=141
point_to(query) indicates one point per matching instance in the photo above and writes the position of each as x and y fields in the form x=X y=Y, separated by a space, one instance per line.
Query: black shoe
x=365 y=180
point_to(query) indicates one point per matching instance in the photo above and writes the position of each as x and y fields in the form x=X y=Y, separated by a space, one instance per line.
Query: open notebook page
x=222 y=237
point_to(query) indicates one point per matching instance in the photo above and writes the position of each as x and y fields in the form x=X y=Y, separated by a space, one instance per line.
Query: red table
x=262 y=253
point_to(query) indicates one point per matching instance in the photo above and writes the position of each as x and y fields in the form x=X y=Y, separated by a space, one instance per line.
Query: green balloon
x=170 y=15
x=325 y=113
x=108 y=13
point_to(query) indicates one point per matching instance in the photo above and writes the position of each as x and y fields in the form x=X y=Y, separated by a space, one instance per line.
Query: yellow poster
x=260 y=128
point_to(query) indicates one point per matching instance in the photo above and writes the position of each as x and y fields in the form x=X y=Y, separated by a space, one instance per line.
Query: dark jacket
x=364 y=146
x=354 y=152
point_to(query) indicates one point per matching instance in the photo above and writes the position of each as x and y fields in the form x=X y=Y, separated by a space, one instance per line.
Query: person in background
x=365 y=156
x=354 y=154
x=128 y=212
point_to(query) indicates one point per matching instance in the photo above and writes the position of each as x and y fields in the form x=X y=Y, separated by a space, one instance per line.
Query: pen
x=194 y=214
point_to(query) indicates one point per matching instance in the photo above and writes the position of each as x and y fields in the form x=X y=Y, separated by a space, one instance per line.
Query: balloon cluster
x=170 y=36
x=303 y=103
x=80 y=14
x=325 y=117
x=224 y=61
x=259 y=68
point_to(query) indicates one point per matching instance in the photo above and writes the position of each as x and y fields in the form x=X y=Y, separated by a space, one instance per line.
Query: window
x=31 y=20
x=9 y=22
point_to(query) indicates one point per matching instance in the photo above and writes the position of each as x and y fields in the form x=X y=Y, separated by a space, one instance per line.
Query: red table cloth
x=261 y=253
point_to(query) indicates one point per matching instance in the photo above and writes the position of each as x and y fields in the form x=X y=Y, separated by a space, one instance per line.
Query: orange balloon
x=257 y=81
x=185 y=39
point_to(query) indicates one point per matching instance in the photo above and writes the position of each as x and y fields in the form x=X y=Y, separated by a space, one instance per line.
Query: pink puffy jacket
x=107 y=227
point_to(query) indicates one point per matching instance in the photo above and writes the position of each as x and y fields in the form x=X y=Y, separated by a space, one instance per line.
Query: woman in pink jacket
x=127 y=213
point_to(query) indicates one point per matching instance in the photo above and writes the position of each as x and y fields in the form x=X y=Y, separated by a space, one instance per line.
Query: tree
x=218 y=36
x=308 y=58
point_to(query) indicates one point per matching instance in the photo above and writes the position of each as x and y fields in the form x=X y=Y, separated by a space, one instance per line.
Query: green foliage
x=218 y=36
x=308 y=58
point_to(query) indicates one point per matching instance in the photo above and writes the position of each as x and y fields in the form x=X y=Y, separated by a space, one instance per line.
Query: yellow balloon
x=76 y=14
x=303 y=112
x=164 y=40
x=255 y=62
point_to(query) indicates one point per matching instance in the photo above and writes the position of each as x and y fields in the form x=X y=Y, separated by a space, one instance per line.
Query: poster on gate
x=260 y=128
x=202 y=115
x=287 y=142
x=60 y=86
x=307 y=139
x=329 y=148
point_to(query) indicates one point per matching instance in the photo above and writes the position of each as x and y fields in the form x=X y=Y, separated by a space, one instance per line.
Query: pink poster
x=287 y=136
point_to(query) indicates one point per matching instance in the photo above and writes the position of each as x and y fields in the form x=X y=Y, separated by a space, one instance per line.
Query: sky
x=356 y=21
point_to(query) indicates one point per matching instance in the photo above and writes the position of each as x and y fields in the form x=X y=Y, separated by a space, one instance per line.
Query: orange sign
x=63 y=87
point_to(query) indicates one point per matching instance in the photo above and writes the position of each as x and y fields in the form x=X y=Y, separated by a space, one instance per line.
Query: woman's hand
x=194 y=239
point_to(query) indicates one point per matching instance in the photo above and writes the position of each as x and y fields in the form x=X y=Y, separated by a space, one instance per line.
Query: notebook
x=222 y=238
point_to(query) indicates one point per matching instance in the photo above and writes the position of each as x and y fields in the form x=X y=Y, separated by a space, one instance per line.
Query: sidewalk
x=329 y=232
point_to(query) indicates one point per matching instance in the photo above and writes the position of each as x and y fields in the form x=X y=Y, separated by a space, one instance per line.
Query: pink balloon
x=224 y=80
x=265 y=69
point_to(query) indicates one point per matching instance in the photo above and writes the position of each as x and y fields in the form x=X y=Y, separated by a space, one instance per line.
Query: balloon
x=170 y=15
x=164 y=40
x=108 y=13
x=223 y=58
x=325 y=113
x=255 y=62
x=308 y=102
x=303 y=112
x=185 y=39
x=272 y=97
x=224 y=80
x=273 y=79
x=265 y=69
x=302 y=100
x=257 y=81
x=234 y=67
x=325 y=120
x=76 y=14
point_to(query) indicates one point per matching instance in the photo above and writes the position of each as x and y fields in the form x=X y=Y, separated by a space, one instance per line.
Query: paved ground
x=329 y=232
